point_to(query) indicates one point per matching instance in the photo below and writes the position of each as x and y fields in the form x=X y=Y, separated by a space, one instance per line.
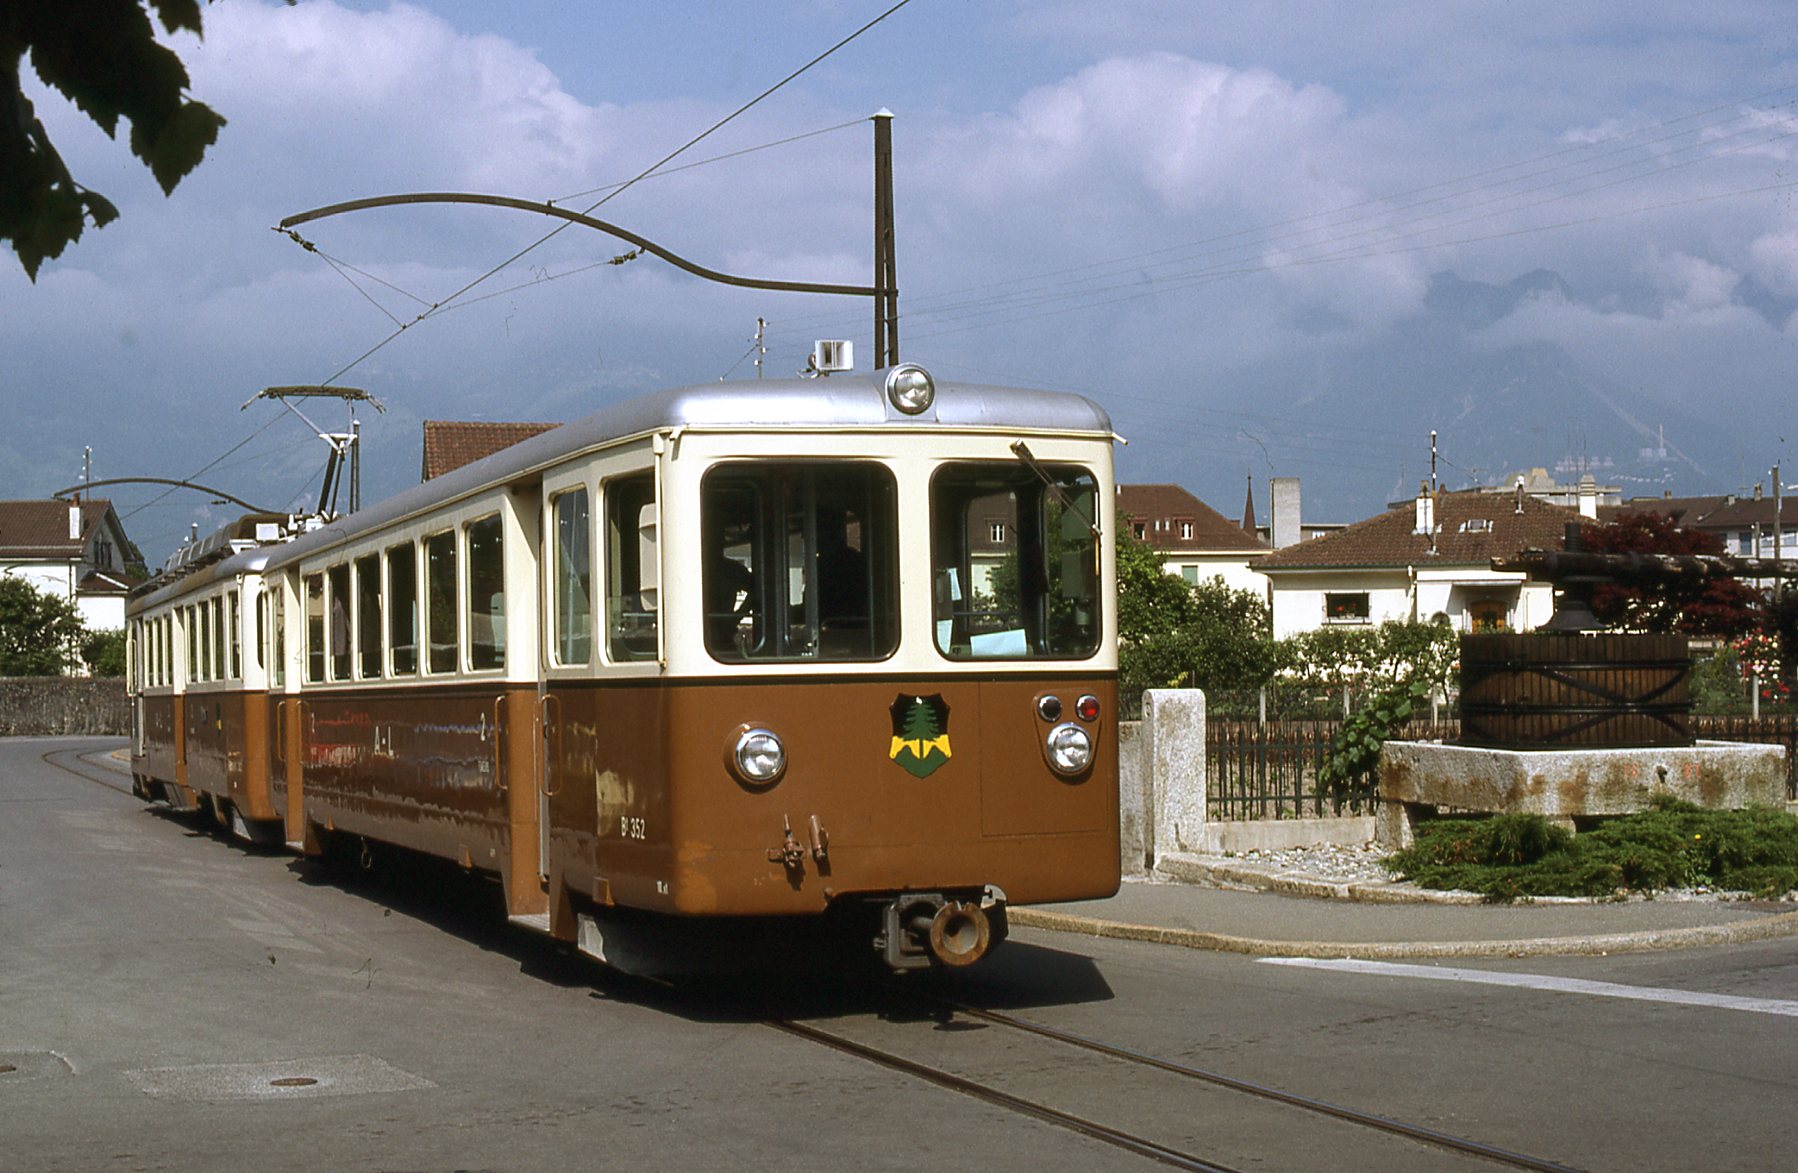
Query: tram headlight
x=1070 y=749
x=910 y=388
x=759 y=757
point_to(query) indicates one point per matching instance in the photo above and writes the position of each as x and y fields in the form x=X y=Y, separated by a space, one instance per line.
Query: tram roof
x=243 y=562
x=848 y=400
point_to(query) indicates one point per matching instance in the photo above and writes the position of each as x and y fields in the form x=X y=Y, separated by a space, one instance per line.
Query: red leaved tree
x=1713 y=605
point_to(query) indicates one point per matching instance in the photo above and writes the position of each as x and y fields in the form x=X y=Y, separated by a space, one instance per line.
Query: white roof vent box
x=832 y=354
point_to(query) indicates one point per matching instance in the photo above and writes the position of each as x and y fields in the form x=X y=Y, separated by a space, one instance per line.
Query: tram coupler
x=920 y=929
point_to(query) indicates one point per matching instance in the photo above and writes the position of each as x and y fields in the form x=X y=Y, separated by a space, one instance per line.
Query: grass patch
x=1675 y=845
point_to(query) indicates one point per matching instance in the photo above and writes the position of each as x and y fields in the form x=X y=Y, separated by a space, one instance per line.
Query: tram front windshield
x=1015 y=566
x=801 y=561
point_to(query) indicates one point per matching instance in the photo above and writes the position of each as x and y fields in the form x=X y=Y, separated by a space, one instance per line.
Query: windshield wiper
x=1022 y=451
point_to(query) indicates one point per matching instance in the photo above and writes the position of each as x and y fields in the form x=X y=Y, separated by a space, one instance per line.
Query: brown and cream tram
x=837 y=646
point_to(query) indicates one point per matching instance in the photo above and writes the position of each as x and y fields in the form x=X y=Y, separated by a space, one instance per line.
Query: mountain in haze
x=1496 y=410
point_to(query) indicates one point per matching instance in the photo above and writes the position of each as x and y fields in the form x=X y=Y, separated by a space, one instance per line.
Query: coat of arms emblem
x=920 y=733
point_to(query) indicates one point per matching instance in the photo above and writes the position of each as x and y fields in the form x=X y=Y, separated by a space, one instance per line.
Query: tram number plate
x=631 y=827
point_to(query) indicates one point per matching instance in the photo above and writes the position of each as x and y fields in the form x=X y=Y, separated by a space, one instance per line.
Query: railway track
x=1116 y=1059
x=85 y=769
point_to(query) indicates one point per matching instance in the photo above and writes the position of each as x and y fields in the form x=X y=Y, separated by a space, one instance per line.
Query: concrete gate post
x=1173 y=752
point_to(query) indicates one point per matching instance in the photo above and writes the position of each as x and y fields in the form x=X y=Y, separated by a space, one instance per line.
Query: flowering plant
x=1757 y=655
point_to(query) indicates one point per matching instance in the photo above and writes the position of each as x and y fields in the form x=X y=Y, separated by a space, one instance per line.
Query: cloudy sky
x=1271 y=238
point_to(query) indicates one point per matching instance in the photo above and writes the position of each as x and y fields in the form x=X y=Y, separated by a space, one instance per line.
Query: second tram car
x=839 y=646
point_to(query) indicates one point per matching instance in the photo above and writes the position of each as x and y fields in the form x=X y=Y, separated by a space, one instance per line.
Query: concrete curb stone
x=1765 y=928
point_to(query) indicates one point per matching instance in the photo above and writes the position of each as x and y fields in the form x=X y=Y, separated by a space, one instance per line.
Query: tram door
x=566 y=632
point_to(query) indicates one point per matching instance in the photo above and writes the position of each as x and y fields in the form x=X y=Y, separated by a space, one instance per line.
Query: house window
x=1485 y=616
x=1346 y=607
x=1139 y=530
x=1190 y=574
x=1186 y=530
x=995 y=532
x=1477 y=525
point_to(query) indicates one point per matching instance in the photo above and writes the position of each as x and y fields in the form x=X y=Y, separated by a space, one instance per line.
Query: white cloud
x=1774 y=259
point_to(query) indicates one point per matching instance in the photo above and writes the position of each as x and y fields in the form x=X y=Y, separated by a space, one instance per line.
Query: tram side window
x=337 y=597
x=217 y=671
x=368 y=617
x=572 y=587
x=402 y=610
x=440 y=601
x=235 y=625
x=261 y=641
x=486 y=594
x=633 y=594
x=801 y=561
x=315 y=628
x=1035 y=594
x=277 y=655
x=205 y=625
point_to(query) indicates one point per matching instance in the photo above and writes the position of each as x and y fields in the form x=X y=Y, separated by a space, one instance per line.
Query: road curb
x=1784 y=924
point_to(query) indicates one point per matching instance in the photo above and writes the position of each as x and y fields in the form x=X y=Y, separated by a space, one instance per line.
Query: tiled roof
x=450 y=444
x=1211 y=530
x=1686 y=511
x=1389 y=540
x=1745 y=513
x=40 y=529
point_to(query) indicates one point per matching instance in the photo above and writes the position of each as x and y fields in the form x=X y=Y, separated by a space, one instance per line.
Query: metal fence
x=1268 y=770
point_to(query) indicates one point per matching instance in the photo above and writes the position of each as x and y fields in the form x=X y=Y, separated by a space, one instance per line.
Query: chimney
x=1283 y=512
x=1426 y=509
x=1519 y=505
x=1588 y=498
x=1757 y=490
x=74 y=521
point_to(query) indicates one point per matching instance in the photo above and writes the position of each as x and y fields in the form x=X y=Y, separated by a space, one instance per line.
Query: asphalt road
x=169 y=1000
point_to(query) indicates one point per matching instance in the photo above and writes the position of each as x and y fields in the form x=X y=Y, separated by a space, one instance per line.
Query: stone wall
x=54 y=706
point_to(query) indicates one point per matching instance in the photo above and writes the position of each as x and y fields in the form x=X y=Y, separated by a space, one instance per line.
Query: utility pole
x=1778 y=540
x=1435 y=494
x=886 y=279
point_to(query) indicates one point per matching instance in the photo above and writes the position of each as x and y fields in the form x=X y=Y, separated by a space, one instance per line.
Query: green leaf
x=180 y=145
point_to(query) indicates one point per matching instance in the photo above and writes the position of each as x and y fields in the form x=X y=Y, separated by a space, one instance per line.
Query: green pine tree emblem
x=920 y=733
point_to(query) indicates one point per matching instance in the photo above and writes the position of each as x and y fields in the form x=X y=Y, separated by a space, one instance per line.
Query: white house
x=75 y=551
x=1194 y=540
x=1430 y=557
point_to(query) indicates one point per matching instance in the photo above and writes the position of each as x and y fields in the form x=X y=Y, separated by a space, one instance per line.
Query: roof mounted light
x=910 y=388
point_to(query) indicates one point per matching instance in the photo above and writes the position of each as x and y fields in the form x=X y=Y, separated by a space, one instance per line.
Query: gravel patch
x=1331 y=862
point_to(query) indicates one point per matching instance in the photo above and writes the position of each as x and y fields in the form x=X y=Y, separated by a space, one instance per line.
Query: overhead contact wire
x=621 y=189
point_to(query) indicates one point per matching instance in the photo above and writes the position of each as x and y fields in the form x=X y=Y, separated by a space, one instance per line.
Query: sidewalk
x=1283 y=914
